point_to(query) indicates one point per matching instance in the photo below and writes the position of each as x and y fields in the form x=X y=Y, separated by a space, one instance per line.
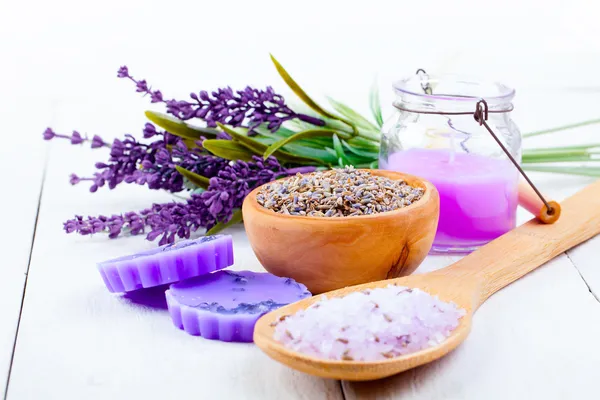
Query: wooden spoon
x=468 y=283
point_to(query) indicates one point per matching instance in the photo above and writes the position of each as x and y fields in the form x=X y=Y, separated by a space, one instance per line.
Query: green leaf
x=296 y=136
x=583 y=171
x=364 y=144
x=304 y=97
x=228 y=149
x=257 y=147
x=360 y=152
x=310 y=152
x=198 y=180
x=339 y=151
x=555 y=159
x=560 y=149
x=352 y=115
x=180 y=128
x=299 y=91
x=282 y=133
x=375 y=104
x=563 y=128
x=260 y=148
x=561 y=154
x=236 y=218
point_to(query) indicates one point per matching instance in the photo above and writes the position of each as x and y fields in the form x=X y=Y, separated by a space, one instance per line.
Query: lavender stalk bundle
x=221 y=144
x=249 y=107
x=218 y=203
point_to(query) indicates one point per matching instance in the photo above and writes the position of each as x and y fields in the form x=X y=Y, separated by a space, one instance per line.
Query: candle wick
x=452 y=147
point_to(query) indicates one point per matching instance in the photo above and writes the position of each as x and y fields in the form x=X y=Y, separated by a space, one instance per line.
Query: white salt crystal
x=370 y=325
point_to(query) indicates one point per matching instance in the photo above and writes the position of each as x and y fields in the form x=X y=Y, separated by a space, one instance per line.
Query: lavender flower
x=145 y=164
x=225 y=193
x=76 y=138
x=247 y=108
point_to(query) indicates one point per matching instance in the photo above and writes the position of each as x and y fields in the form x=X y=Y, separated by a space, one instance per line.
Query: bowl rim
x=251 y=203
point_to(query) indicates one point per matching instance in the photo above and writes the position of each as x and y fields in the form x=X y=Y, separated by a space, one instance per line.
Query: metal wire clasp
x=481 y=116
x=424 y=81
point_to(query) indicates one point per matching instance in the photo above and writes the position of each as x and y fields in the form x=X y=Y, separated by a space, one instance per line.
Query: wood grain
x=331 y=253
x=529 y=341
x=468 y=283
x=518 y=252
x=79 y=341
x=529 y=200
x=22 y=169
x=586 y=258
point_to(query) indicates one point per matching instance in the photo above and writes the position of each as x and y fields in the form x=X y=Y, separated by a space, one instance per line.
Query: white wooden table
x=63 y=336
x=75 y=340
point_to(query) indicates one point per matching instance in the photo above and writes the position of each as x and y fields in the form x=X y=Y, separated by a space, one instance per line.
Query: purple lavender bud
x=76 y=138
x=114 y=231
x=156 y=97
x=97 y=142
x=142 y=86
x=71 y=226
x=147 y=164
x=229 y=183
x=163 y=156
x=149 y=130
x=248 y=108
x=49 y=134
x=123 y=72
x=117 y=148
x=74 y=179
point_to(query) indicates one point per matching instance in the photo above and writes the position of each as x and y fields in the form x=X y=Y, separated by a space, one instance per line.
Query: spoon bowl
x=467 y=283
x=364 y=370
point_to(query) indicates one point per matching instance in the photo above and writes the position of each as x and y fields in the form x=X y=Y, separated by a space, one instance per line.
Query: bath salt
x=225 y=305
x=369 y=325
x=167 y=264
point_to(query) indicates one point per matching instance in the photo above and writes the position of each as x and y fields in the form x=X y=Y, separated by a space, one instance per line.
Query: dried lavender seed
x=337 y=193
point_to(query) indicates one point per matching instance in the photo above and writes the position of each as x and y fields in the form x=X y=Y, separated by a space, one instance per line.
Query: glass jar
x=476 y=180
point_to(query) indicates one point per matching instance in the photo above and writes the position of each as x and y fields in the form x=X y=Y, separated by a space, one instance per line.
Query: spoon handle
x=520 y=251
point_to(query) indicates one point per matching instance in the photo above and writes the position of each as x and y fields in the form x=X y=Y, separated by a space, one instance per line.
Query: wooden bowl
x=331 y=253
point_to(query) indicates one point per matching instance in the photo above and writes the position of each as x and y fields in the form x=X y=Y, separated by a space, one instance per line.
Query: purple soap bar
x=167 y=264
x=225 y=305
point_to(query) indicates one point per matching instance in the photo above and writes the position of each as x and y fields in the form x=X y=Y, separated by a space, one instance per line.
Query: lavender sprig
x=76 y=138
x=225 y=193
x=151 y=164
x=248 y=108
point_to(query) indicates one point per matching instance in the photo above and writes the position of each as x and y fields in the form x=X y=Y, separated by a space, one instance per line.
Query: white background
x=58 y=63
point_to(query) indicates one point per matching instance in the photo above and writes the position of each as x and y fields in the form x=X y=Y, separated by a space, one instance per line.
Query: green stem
x=372 y=138
x=582 y=171
x=555 y=159
x=559 y=150
x=563 y=127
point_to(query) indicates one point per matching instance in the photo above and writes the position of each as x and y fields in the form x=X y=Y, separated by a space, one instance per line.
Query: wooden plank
x=531 y=340
x=585 y=258
x=22 y=165
x=528 y=320
x=76 y=340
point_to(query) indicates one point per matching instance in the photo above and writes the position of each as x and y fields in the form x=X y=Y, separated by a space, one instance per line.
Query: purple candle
x=478 y=194
x=167 y=264
x=225 y=305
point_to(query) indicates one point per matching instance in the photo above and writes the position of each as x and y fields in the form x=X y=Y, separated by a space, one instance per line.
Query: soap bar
x=167 y=264
x=225 y=305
